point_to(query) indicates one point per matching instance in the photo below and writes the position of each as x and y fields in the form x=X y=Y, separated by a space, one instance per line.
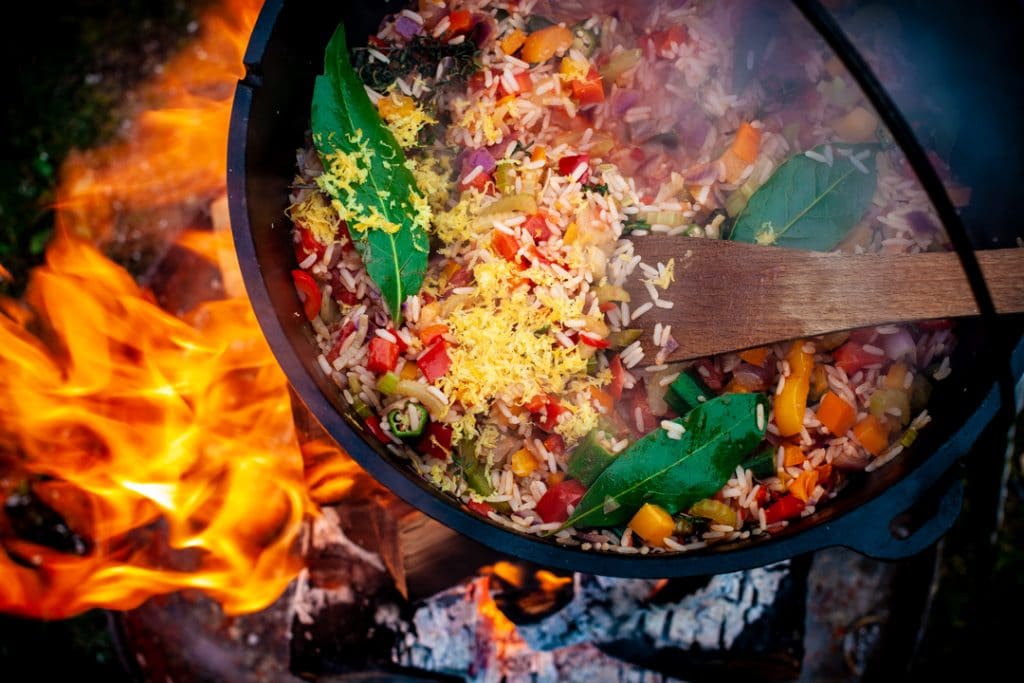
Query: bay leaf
x=344 y=120
x=675 y=473
x=808 y=204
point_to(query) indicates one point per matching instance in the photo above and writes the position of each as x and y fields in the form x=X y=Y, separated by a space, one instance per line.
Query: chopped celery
x=362 y=410
x=716 y=511
x=620 y=63
x=523 y=203
x=584 y=40
x=505 y=178
x=735 y=202
x=388 y=383
x=669 y=218
x=608 y=292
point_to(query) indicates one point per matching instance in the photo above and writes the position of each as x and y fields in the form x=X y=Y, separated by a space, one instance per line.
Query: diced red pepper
x=664 y=39
x=307 y=244
x=505 y=244
x=479 y=507
x=537 y=403
x=589 y=90
x=568 y=165
x=480 y=182
x=383 y=356
x=402 y=346
x=459 y=22
x=431 y=333
x=851 y=357
x=787 y=507
x=761 y=496
x=523 y=81
x=553 y=506
x=309 y=293
x=555 y=444
x=347 y=329
x=537 y=228
x=372 y=423
x=549 y=415
x=595 y=341
x=618 y=377
x=435 y=362
x=374 y=41
x=638 y=405
x=607 y=306
x=436 y=441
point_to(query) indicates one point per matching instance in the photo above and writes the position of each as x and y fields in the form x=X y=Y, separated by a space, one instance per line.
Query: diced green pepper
x=584 y=40
x=620 y=339
x=590 y=458
x=408 y=422
x=686 y=392
x=762 y=463
x=475 y=473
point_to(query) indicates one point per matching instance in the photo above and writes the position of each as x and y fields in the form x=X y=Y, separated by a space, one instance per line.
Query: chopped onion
x=481 y=158
x=623 y=100
x=406 y=27
x=899 y=346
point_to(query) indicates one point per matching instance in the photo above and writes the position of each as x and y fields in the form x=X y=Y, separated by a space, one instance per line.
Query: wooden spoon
x=733 y=295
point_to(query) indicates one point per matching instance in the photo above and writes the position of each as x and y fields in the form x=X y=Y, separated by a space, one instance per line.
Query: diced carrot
x=542 y=45
x=801 y=363
x=792 y=455
x=538 y=153
x=512 y=42
x=791 y=404
x=652 y=523
x=431 y=333
x=755 y=356
x=505 y=244
x=602 y=399
x=590 y=90
x=836 y=413
x=747 y=142
x=871 y=434
x=459 y=22
x=803 y=485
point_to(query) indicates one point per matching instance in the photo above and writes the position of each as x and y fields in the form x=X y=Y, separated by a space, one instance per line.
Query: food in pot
x=464 y=223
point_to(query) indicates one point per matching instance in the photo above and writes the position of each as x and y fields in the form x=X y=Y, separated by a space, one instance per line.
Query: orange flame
x=167 y=443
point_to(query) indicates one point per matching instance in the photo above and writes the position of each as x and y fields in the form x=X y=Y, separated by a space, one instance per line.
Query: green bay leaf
x=344 y=120
x=676 y=473
x=807 y=204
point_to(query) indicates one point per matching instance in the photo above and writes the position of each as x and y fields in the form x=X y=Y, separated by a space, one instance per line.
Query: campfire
x=150 y=450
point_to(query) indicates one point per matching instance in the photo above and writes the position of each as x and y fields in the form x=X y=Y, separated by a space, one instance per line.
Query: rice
x=520 y=321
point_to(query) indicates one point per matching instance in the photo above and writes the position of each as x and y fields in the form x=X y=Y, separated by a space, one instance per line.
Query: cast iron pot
x=894 y=512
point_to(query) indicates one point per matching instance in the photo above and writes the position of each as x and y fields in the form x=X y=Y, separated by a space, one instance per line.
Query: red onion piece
x=855 y=461
x=704 y=174
x=623 y=99
x=479 y=157
x=406 y=27
x=899 y=346
x=751 y=376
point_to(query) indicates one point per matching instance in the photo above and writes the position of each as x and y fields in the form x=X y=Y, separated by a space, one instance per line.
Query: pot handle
x=862 y=532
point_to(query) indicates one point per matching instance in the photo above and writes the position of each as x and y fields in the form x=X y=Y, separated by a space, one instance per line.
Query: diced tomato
x=555 y=444
x=589 y=90
x=664 y=39
x=481 y=182
x=309 y=293
x=372 y=423
x=480 y=507
x=592 y=340
x=535 y=404
x=851 y=357
x=618 y=377
x=537 y=227
x=436 y=441
x=553 y=506
x=709 y=374
x=787 y=507
x=638 y=405
x=459 y=22
x=347 y=329
x=435 y=362
x=523 y=81
x=383 y=356
x=505 y=244
x=402 y=346
x=568 y=165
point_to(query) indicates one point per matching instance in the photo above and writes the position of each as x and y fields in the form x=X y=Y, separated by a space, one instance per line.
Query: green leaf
x=345 y=122
x=675 y=473
x=807 y=204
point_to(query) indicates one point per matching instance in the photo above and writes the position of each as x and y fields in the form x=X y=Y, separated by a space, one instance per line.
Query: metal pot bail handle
x=888 y=529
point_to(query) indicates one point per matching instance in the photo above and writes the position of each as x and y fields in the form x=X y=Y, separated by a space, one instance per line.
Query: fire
x=164 y=444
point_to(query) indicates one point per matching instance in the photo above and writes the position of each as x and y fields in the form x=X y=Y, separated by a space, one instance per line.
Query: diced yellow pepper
x=523 y=463
x=409 y=371
x=512 y=42
x=571 y=233
x=652 y=523
x=801 y=363
x=896 y=376
x=791 y=404
x=716 y=511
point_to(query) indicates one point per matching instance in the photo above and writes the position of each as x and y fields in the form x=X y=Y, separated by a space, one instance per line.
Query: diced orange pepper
x=652 y=523
x=512 y=42
x=459 y=22
x=590 y=90
x=791 y=404
x=395 y=105
x=803 y=486
x=747 y=142
x=555 y=478
x=792 y=455
x=431 y=333
x=538 y=153
x=542 y=45
x=523 y=463
x=755 y=356
x=505 y=244
x=871 y=434
x=824 y=471
x=409 y=371
x=603 y=399
x=836 y=413
x=801 y=363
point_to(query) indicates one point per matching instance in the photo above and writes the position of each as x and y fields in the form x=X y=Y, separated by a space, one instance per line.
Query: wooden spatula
x=732 y=295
